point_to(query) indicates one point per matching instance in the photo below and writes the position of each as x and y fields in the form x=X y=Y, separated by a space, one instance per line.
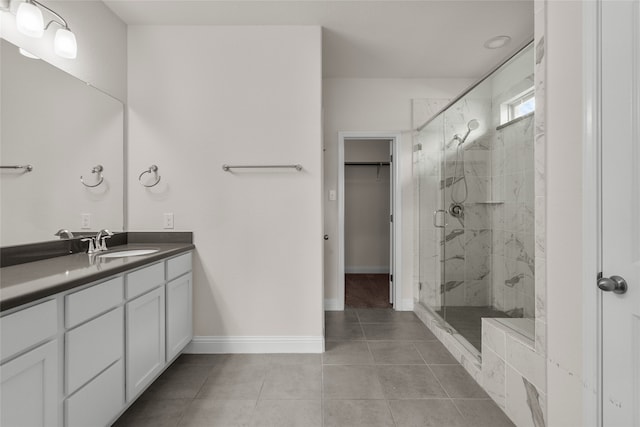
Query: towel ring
x=98 y=170
x=152 y=169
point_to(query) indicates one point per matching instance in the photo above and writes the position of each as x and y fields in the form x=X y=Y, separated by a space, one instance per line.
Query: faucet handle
x=92 y=249
x=102 y=246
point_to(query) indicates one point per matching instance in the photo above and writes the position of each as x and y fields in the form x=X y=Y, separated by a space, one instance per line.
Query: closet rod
x=367 y=163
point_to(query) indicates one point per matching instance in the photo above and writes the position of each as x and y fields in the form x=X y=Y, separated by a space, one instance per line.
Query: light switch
x=168 y=221
x=332 y=195
x=85 y=221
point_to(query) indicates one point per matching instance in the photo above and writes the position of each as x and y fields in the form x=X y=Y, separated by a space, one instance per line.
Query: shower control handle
x=615 y=284
x=435 y=215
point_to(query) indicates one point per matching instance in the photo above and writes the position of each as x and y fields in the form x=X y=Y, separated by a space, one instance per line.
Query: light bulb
x=28 y=54
x=64 y=44
x=29 y=20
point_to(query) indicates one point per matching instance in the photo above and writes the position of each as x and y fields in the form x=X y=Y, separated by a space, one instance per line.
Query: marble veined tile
x=493 y=376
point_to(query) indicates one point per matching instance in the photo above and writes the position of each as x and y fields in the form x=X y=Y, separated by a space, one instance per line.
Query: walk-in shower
x=474 y=174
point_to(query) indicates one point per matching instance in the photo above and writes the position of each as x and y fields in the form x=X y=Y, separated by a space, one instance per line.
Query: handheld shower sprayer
x=457 y=208
x=472 y=125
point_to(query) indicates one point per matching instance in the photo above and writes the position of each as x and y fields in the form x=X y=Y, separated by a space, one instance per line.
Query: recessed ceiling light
x=497 y=42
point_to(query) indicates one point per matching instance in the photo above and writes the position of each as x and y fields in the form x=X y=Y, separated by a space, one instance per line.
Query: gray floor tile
x=434 y=352
x=294 y=359
x=457 y=382
x=287 y=413
x=357 y=413
x=351 y=382
x=234 y=382
x=210 y=412
x=426 y=413
x=343 y=331
x=200 y=359
x=409 y=382
x=345 y=316
x=386 y=316
x=165 y=412
x=186 y=372
x=395 y=353
x=293 y=382
x=397 y=331
x=174 y=388
x=483 y=413
x=236 y=360
x=346 y=353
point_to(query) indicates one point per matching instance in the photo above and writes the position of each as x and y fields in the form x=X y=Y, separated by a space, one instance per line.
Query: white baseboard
x=331 y=304
x=372 y=269
x=407 y=305
x=244 y=344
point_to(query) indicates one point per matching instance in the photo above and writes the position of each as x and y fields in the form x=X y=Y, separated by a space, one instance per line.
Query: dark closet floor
x=366 y=290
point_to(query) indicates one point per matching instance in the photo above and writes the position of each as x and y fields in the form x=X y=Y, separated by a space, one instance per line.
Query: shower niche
x=474 y=185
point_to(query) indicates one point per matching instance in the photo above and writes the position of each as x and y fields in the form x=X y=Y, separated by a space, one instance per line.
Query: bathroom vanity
x=83 y=336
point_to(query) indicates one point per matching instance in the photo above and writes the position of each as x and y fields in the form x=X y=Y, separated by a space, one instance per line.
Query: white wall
x=203 y=96
x=564 y=231
x=102 y=44
x=374 y=105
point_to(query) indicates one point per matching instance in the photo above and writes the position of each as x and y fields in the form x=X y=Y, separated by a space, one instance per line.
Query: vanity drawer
x=92 y=347
x=97 y=403
x=90 y=302
x=178 y=266
x=25 y=328
x=144 y=280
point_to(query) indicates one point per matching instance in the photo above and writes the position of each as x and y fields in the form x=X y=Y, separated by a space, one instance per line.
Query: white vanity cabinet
x=81 y=357
x=179 y=295
x=29 y=374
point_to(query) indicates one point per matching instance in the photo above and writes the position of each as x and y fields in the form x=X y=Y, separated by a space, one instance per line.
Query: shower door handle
x=435 y=215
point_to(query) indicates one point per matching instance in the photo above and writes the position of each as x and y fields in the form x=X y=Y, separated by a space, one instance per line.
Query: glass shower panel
x=476 y=163
x=430 y=213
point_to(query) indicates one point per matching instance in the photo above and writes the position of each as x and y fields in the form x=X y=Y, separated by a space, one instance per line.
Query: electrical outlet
x=332 y=195
x=85 y=221
x=168 y=221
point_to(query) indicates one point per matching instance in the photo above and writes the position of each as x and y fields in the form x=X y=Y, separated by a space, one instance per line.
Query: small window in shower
x=519 y=106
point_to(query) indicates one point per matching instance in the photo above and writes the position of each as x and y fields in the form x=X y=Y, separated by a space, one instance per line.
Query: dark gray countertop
x=24 y=283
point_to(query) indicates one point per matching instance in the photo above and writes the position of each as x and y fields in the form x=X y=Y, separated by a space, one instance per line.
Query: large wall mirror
x=65 y=129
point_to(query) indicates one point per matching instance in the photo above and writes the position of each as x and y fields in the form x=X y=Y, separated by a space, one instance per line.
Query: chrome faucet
x=63 y=233
x=101 y=239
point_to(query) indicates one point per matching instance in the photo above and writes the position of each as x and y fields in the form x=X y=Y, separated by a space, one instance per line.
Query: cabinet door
x=29 y=388
x=145 y=347
x=179 y=317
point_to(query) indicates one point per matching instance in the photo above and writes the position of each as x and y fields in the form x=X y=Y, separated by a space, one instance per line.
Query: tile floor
x=380 y=368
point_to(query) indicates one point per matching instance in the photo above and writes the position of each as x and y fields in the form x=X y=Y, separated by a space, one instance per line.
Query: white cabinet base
x=29 y=388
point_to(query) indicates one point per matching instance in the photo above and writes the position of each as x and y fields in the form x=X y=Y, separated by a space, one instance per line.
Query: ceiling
x=368 y=38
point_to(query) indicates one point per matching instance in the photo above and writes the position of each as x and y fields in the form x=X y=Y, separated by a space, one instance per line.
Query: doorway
x=368 y=224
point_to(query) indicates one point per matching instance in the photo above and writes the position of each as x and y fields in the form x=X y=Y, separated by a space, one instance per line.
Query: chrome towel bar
x=27 y=168
x=226 y=168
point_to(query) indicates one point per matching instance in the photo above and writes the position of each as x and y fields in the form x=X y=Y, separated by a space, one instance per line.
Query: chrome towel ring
x=152 y=169
x=97 y=170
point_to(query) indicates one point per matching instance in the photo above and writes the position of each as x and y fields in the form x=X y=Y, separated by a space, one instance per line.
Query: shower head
x=472 y=125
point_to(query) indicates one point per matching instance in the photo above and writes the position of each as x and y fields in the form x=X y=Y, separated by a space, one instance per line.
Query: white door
x=621 y=212
x=391 y=240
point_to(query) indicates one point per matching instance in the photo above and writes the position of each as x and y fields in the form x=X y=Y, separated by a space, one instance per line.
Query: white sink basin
x=132 y=252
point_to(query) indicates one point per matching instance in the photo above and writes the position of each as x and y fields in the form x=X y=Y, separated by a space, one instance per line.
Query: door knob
x=326 y=237
x=615 y=284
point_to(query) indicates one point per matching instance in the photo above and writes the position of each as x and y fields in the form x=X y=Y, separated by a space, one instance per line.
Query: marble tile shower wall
x=513 y=244
x=468 y=239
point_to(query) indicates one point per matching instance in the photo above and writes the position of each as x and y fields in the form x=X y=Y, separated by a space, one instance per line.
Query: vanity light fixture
x=28 y=54
x=30 y=22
